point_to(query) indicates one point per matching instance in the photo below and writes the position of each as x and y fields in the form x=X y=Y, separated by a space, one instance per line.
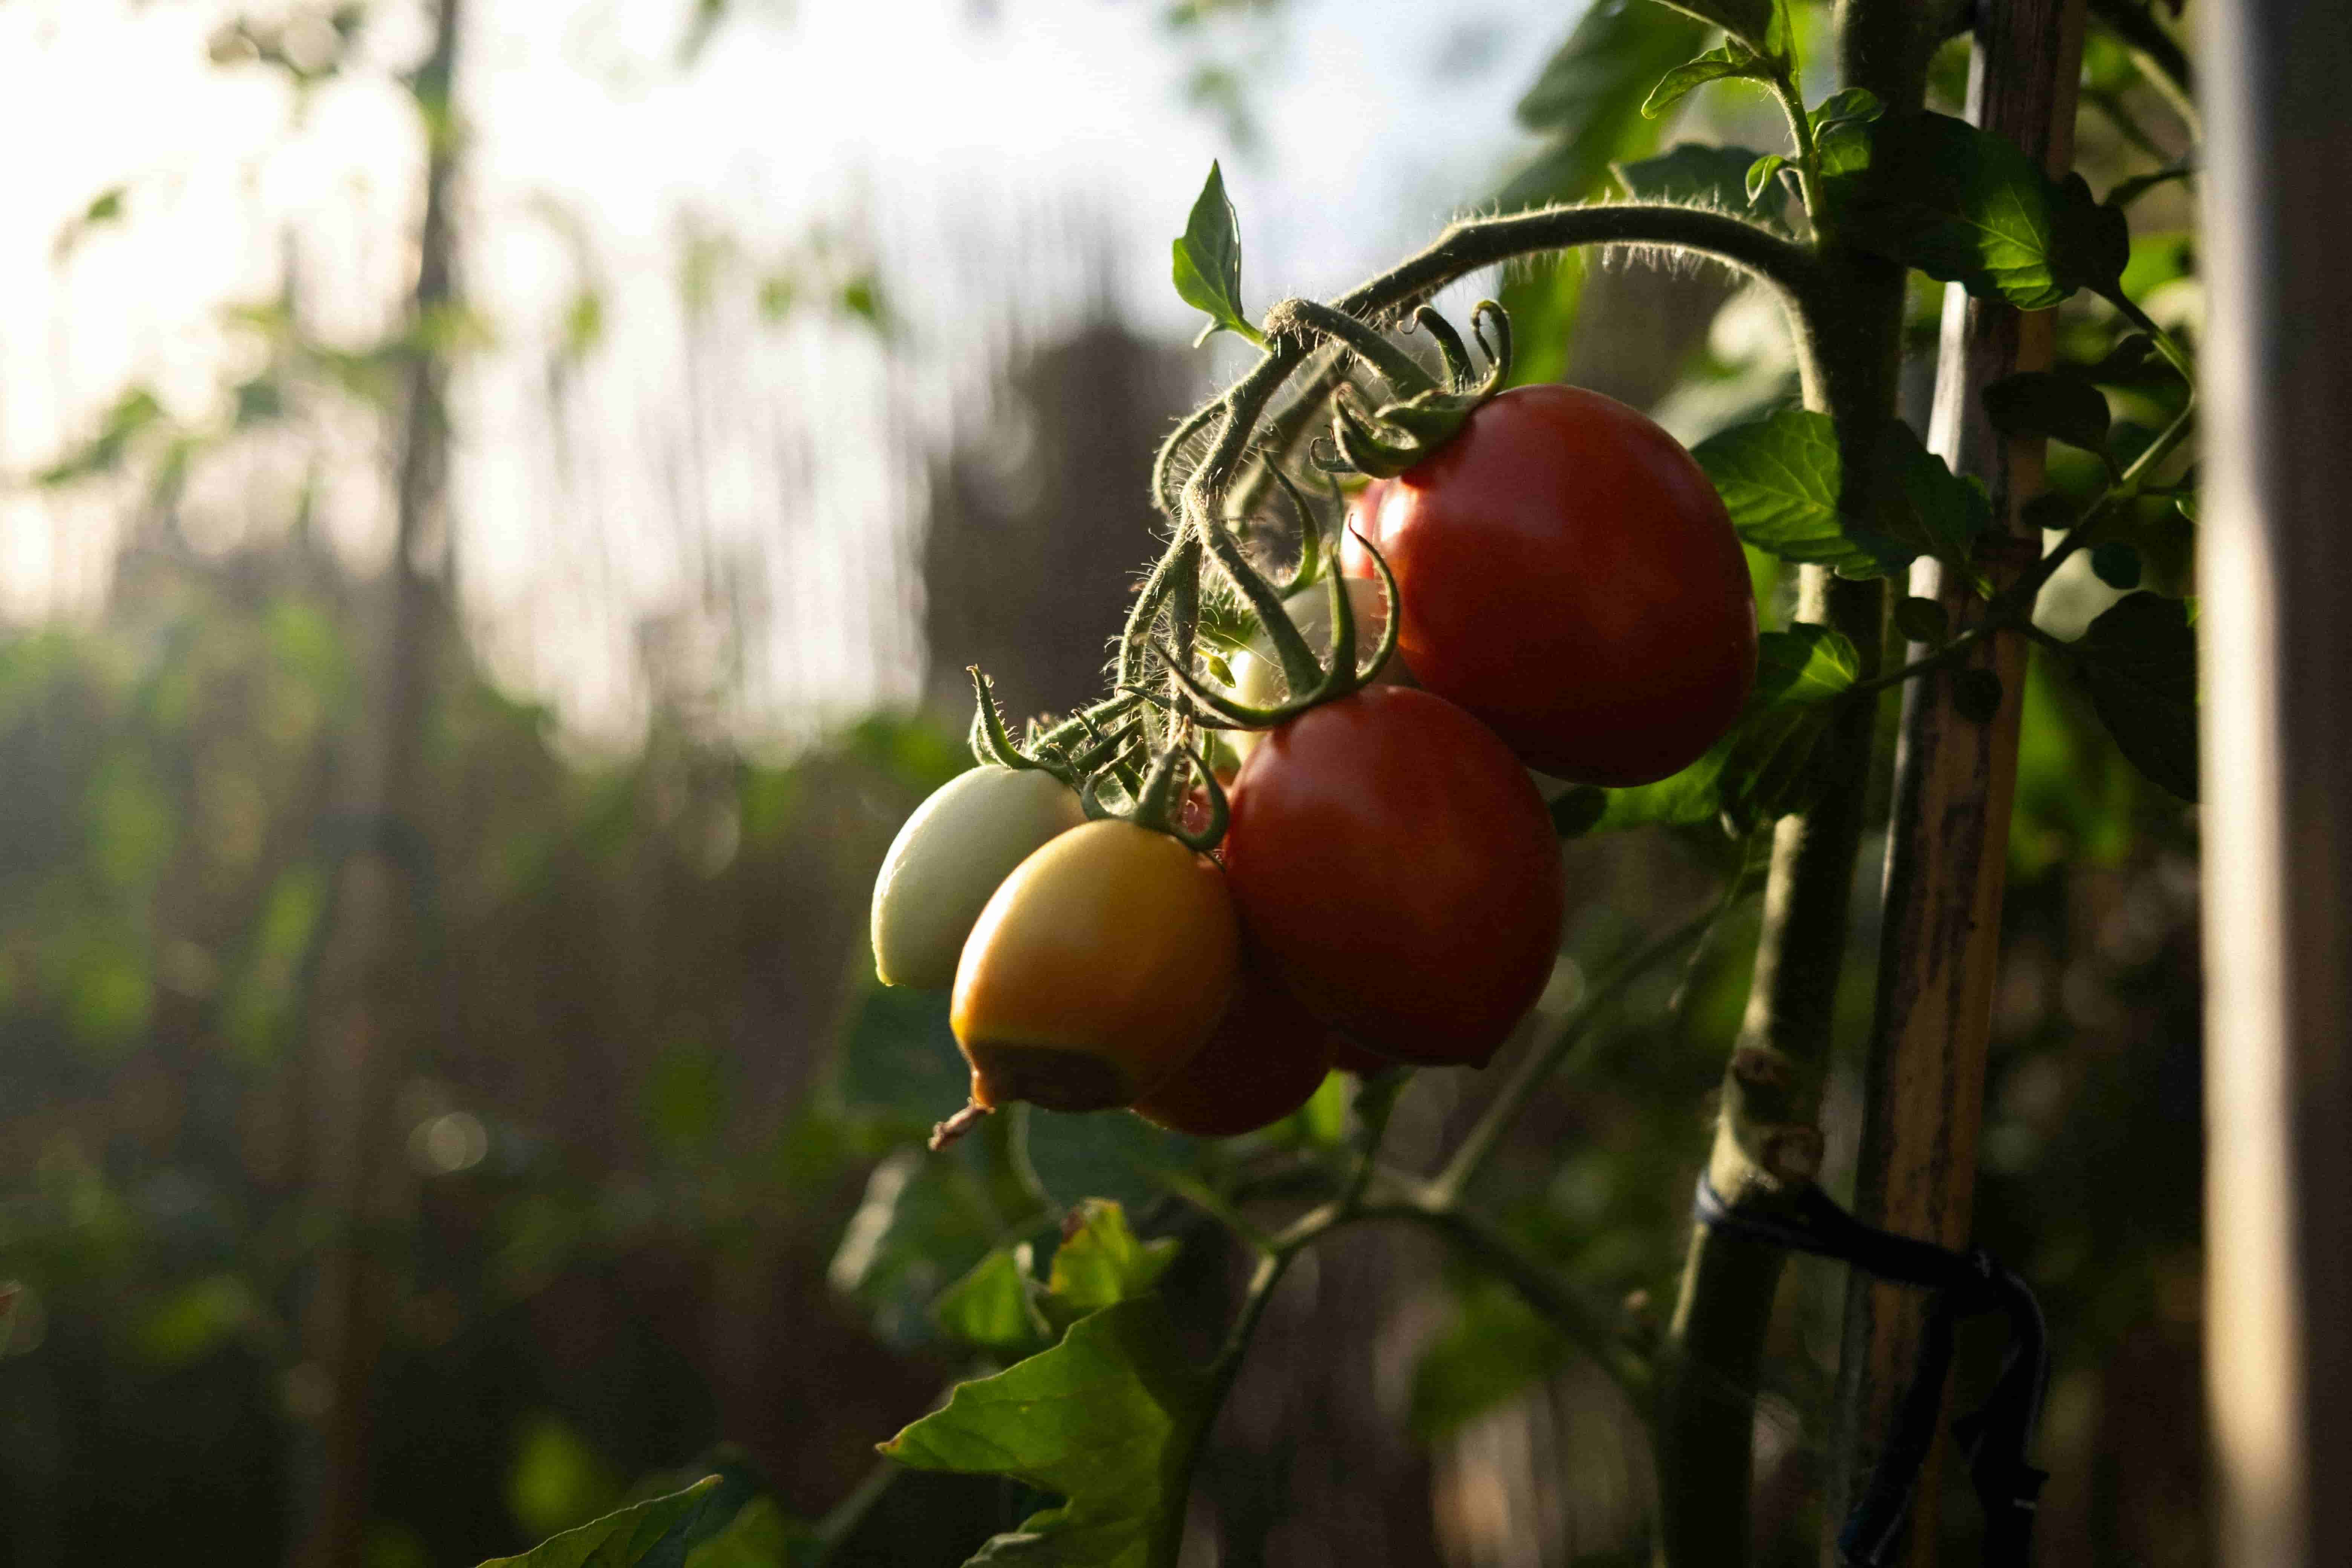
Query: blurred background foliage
x=645 y=1195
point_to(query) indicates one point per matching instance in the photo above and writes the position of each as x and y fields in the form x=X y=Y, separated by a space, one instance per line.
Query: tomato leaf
x=994 y=1306
x=1966 y=205
x=2138 y=661
x=1938 y=512
x=1779 y=477
x=1922 y=620
x=1588 y=100
x=2117 y=565
x=1750 y=21
x=1104 y=1153
x=760 y=1536
x=2055 y=406
x=1208 y=262
x=1732 y=61
x=618 y=1539
x=1101 y=1263
x=1692 y=174
x=1586 y=106
x=926 y=1219
x=1497 y=1347
x=1107 y=1420
x=1762 y=768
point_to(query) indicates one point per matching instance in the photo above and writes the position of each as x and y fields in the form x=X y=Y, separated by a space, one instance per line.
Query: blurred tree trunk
x=1948 y=844
x=2277 y=765
x=371 y=999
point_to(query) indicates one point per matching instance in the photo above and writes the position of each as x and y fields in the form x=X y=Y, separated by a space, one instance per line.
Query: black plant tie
x=1994 y=1438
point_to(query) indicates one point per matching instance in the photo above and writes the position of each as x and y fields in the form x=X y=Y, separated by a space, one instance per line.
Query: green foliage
x=1757 y=24
x=1694 y=174
x=1730 y=62
x=2138 y=661
x=1497 y=1347
x=620 y=1539
x=1107 y=1421
x=1934 y=511
x=1101 y=1263
x=1779 y=478
x=1208 y=262
x=1762 y=769
x=1968 y=207
x=994 y=1307
x=1587 y=105
x=2051 y=404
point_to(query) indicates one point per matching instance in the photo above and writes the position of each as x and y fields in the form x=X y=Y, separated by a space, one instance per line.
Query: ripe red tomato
x=1266 y=1058
x=1570 y=576
x=1391 y=856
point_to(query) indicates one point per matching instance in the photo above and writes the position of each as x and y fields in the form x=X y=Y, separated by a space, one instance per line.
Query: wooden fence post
x=2275 y=571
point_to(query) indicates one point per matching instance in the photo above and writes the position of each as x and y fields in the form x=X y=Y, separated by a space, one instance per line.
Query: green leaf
x=1692 y=174
x=2138 y=661
x=1100 y=1262
x=762 y=1535
x=1940 y=513
x=1922 y=620
x=1768 y=768
x=2046 y=404
x=925 y=1221
x=1730 y=62
x=1750 y=21
x=1208 y=262
x=1587 y=102
x=617 y=1541
x=994 y=1306
x=1497 y=1347
x=1842 y=130
x=1761 y=766
x=1104 y=1153
x=896 y=1062
x=2116 y=564
x=1968 y=207
x=1107 y=1420
x=1761 y=172
x=1779 y=477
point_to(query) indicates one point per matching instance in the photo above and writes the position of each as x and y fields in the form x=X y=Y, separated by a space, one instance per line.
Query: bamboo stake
x=1955 y=778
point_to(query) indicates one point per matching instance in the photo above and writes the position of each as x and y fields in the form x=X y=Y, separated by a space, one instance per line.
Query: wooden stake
x=2274 y=567
x=1947 y=841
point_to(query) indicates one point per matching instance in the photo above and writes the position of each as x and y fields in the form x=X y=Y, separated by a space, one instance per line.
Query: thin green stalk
x=1536 y=1068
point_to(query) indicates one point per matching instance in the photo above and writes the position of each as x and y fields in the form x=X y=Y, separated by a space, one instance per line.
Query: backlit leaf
x=1107 y=1421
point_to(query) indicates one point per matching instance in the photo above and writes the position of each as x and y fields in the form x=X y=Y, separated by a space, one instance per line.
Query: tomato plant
x=950 y=857
x=1097 y=968
x=1570 y=576
x=1428 y=954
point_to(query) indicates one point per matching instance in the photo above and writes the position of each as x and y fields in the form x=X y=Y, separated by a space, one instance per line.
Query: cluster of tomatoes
x=1569 y=597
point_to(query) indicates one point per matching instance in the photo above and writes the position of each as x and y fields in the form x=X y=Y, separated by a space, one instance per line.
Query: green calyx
x=1090 y=741
x=1160 y=803
x=1406 y=432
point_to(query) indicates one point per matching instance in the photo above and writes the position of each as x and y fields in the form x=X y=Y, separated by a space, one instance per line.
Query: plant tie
x=1994 y=1438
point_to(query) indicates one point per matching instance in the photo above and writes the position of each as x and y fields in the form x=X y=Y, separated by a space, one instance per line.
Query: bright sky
x=949 y=134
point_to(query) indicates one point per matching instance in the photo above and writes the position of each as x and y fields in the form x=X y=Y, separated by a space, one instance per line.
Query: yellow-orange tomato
x=1095 y=971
